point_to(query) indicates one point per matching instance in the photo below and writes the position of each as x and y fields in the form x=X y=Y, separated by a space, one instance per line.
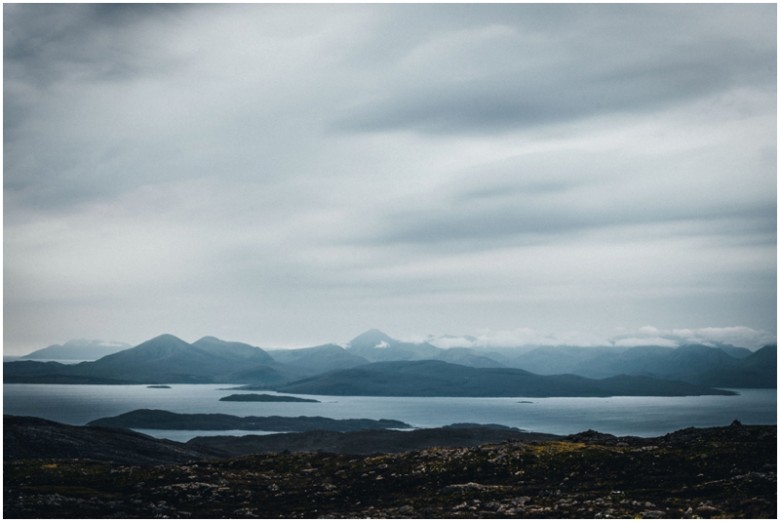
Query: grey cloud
x=56 y=59
x=510 y=102
x=508 y=189
x=101 y=100
x=543 y=82
x=222 y=162
x=542 y=198
x=46 y=45
x=528 y=220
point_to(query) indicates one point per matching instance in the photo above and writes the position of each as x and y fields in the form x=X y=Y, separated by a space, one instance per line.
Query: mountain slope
x=253 y=365
x=714 y=366
x=759 y=370
x=318 y=359
x=165 y=358
x=79 y=349
x=639 y=360
x=552 y=360
x=233 y=350
x=371 y=339
x=439 y=379
x=468 y=357
x=376 y=346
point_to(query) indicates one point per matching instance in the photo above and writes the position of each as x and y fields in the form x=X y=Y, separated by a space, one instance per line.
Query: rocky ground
x=696 y=473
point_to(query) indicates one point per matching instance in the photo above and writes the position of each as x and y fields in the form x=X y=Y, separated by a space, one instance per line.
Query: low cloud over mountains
x=645 y=336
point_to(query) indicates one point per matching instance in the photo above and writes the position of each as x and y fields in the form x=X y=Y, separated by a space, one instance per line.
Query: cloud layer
x=287 y=174
x=643 y=336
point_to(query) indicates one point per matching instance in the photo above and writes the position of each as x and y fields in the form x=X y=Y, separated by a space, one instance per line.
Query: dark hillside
x=694 y=473
x=33 y=438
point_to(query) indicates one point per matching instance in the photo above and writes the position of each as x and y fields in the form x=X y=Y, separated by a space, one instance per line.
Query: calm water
x=645 y=416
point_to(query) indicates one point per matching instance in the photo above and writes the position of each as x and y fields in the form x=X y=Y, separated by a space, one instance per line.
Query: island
x=264 y=397
x=166 y=420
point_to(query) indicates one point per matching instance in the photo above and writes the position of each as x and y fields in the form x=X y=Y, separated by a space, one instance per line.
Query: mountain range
x=373 y=363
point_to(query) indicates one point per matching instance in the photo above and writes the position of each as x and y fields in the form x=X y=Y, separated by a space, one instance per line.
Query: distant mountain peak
x=210 y=340
x=372 y=339
x=163 y=342
x=165 y=337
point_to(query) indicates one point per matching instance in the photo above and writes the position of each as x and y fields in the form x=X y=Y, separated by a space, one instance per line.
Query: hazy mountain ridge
x=318 y=359
x=714 y=366
x=376 y=346
x=236 y=350
x=759 y=370
x=77 y=350
x=718 y=365
x=168 y=359
x=431 y=378
x=468 y=357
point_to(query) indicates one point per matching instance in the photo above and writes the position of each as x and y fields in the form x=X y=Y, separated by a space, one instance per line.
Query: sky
x=291 y=175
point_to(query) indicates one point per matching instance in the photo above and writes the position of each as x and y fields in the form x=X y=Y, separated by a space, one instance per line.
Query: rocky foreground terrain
x=694 y=473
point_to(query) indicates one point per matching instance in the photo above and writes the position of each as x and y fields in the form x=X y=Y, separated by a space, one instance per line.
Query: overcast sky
x=289 y=175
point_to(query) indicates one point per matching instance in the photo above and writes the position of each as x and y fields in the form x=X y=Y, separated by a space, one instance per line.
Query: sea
x=79 y=404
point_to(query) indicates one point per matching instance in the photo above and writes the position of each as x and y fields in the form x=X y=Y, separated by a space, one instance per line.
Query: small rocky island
x=264 y=397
